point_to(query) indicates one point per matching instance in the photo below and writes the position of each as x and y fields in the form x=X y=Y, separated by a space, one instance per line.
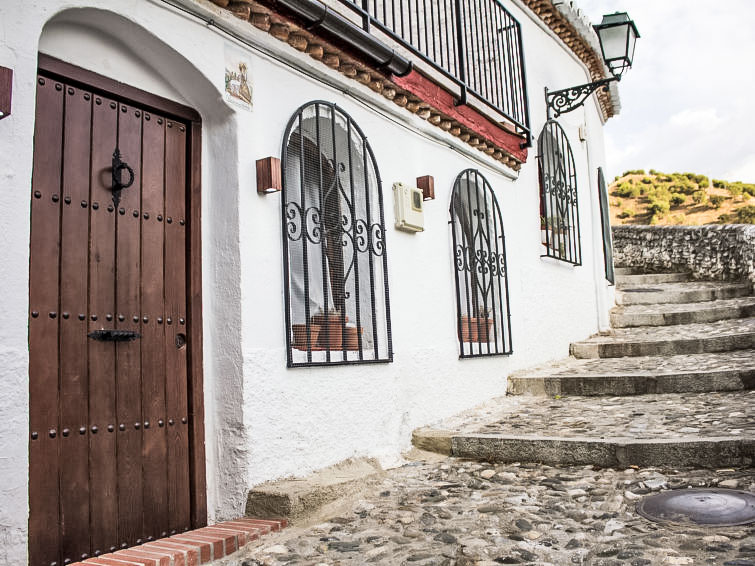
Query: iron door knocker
x=118 y=185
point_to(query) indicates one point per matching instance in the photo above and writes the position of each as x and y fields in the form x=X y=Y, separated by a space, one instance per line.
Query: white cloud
x=696 y=118
x=743 y=171
x=685 y=103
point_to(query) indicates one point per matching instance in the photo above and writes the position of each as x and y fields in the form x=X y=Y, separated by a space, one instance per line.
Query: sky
x=688 y=102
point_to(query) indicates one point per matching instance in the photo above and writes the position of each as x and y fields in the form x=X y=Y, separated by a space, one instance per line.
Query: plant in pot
x=560 y=225
x=468 y=327
x=543 y=231
x=484 y=324
x=331 y=328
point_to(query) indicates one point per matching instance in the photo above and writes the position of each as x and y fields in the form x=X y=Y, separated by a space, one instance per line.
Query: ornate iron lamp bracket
x=568 y=99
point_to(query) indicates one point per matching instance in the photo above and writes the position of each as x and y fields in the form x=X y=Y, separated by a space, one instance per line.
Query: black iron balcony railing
x=475 y=43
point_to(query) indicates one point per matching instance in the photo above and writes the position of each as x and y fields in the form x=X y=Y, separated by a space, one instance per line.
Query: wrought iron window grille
x=477 y=44
x=335 y=266
x=605 y=222
x=483 y=317
x=559 y=206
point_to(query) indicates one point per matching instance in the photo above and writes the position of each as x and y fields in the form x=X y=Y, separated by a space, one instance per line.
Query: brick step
x=728 y=371
x=722 y=336
x=682 y=313
x=690 y=429
x=689 y=292
x=190 y=548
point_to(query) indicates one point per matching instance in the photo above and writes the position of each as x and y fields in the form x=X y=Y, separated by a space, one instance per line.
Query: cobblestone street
x=671 y=385
x=456 y=512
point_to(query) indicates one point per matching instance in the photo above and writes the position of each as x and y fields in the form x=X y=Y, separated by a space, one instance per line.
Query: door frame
x=71 y=74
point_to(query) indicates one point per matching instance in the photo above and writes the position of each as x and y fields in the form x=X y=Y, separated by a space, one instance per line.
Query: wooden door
x=114 y=414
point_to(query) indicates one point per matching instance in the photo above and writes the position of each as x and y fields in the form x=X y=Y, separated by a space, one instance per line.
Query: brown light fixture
x=6 y=87
x=269 y=178
x=427 y=184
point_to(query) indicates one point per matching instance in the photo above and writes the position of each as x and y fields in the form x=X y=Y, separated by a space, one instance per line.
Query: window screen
x=559 y=210
x=337 y=304
x=479 y=248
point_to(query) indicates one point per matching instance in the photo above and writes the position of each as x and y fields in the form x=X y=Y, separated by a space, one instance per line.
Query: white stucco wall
x=264 y=421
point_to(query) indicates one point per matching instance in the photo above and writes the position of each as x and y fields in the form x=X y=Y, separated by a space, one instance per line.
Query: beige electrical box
x=407 y=205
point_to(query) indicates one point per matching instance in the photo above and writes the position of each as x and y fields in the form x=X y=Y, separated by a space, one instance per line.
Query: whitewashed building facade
x=173 y=334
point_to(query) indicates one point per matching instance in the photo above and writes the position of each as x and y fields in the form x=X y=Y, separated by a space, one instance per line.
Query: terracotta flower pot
x=331 y=337
x=300 y=335
x=352 y=337
x=332 y=319
x=484 y=325
x=468 y=329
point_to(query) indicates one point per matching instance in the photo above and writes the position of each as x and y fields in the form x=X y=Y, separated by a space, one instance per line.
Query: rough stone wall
x=717 y=252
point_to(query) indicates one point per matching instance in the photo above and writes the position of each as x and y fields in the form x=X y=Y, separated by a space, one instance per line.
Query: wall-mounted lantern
x=6 y=87
x=427 y=184
x=617 y=35
x=269 y=178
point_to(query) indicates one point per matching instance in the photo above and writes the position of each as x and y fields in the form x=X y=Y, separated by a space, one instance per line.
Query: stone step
x=620 y=271
x=728 y=371
x=722 y=336
x=688 y=292
x=299 y=500
x=682 y=313
x=688 y=429
x=632 y=279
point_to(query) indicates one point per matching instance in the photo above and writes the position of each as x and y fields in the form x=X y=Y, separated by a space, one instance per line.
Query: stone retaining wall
x=716 y=252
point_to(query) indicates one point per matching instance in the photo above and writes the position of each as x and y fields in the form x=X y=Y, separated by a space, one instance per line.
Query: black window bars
x=559 y=209
x=479 y=248
x=335 y=266
x=605 y=222
x=475 y=43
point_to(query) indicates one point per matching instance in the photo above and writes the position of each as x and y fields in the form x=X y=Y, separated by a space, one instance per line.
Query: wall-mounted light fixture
x=6 y=87
x=427 y=184
x=269 y=178
x=617 y=35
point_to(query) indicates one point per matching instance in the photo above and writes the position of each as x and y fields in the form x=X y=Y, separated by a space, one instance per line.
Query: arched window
x=337 y=305
x=482 y=294
x=559 y=210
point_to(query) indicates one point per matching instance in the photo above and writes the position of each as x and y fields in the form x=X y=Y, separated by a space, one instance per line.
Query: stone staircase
x=672 y=384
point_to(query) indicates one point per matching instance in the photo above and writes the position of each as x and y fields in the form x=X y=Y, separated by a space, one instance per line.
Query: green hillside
x=654 y=197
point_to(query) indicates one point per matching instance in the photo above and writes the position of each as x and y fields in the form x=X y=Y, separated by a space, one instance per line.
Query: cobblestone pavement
x=658 y=365
x=662 y=416
x=662 y=308
x=677 y=332
x=459 y=513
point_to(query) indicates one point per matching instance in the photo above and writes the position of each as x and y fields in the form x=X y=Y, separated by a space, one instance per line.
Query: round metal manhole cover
x=641 y=290
x=710 y=507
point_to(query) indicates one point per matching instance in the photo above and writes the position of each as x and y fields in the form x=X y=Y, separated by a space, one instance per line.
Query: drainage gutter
x=319 y=17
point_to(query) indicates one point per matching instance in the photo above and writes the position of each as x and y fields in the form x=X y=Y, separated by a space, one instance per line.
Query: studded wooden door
x=113 y=414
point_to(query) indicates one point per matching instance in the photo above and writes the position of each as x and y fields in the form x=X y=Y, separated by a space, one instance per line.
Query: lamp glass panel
x=614 y=41
x=632 y=41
